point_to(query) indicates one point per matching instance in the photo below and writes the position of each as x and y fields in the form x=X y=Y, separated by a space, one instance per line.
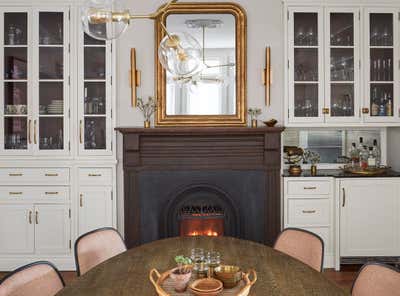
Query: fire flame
x=204 y=233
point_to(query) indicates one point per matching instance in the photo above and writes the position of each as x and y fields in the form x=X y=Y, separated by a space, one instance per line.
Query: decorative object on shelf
x=254 y=113
x=181 y=274
x=147 y=109
x=373 y=171
x=271 y=123
x=294 y=155
x=312 y=157
x=135 y=77
x=266 y=76
x=107 y=19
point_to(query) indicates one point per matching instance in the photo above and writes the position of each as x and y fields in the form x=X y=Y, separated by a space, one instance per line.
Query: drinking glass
x=214 y=260
x=199 y=260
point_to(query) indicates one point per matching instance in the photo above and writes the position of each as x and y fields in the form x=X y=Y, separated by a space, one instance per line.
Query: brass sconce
x=135 y=77
x=266 y=77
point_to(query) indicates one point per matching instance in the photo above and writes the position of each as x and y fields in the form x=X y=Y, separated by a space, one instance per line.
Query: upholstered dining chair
x=303 y=245
x=97 y=246
x=36 y=279
x=377 y=279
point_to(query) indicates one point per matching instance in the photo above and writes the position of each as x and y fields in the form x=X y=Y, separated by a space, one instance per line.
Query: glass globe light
x=104 y=19
x=181 y=55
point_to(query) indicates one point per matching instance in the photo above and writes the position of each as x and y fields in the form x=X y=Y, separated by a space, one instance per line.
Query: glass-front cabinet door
x=382 y=47
x=305 y=65
x=51 y=125
x=15 y=97
x=95 y=125
x=342 y=65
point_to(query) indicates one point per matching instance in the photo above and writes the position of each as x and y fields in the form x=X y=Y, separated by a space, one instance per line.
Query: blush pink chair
x=303 y=245
x=377 y=279
x=36 y=279
x=97 y=246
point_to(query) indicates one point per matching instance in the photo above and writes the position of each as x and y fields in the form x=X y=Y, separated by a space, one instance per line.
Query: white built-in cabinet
x=342 y=66
x=57 y=139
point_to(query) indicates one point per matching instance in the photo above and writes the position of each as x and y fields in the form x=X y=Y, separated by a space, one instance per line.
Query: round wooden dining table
x=128 y=273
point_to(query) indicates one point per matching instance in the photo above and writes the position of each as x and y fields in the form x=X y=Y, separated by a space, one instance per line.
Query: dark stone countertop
x=341 y=174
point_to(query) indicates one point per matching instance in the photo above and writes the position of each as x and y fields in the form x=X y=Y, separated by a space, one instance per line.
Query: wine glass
x=310 y=37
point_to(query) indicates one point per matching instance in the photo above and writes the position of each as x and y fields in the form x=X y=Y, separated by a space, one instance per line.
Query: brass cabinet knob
x=365 y=110
x=325 y=110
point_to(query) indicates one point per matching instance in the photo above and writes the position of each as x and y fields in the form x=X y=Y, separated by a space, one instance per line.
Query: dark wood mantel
x=201 y=148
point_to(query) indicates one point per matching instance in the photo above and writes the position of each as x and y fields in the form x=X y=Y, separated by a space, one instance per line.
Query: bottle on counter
x=364 y=154
x=354 y=155
x=360 y=146
x=377 y=153
x=371 y=158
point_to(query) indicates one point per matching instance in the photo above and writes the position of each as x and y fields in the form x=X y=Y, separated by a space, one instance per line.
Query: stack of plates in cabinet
x=56 y=107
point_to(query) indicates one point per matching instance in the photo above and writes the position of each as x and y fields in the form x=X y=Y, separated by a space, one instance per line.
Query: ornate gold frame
x=240 y=118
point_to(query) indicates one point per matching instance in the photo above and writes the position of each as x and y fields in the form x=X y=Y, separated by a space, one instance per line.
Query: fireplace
x=201 y=181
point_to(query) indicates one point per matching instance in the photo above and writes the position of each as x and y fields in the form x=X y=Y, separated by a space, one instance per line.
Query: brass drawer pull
x=15 y=174
x=365 y=110
x=80 y=131
x=37 y=217
x=51 y=193
x=81 y=201
x=94 y=175
x=34 y=132
x=30 y=217
x=29 y=131
x=309 y=212
x=51 y=175
x=344 y=198
x=310 y=188
x=15 y=193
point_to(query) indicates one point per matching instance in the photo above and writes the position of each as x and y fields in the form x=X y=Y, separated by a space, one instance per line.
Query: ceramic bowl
x=207 y=286
x=229 y=275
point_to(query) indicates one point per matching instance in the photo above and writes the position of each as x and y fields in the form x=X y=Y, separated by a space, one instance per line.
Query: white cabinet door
x=52 y=229
x=369 y=220
x=16 y=229
x=95 y=208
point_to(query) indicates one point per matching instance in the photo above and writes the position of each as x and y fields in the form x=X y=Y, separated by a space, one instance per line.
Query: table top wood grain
x=128 y=273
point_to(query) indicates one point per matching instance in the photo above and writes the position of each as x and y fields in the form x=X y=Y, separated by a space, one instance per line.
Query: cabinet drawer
x=308 y=212
x=37 y=194
x=34 y=176
x=308 y=188
x=95 y=176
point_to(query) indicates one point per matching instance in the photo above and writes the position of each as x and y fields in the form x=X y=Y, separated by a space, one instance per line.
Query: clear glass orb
x=104 y=19
x=181 y=55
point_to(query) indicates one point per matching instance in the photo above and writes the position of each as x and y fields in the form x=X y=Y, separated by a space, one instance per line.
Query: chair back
x=303 y=245
x=377 y=279
x=36 y=279
x=96 y=247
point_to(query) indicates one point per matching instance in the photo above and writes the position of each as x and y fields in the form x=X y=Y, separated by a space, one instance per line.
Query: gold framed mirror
x=216 y=97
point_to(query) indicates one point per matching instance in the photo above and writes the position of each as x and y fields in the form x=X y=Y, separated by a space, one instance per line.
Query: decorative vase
x=313 y=170
x=295 y=170
x=180 y=280
x=254 y=123
x=147 y=124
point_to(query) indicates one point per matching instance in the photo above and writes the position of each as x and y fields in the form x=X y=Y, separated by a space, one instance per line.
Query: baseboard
x=9 y=263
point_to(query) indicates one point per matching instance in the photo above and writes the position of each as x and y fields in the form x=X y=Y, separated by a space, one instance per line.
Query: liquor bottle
x=354 y=155
x=382 y=105
x=371 y=158
x=375 y=105
x=389 y=106
x=360 y=146
x=377 y=153
x=364 y=158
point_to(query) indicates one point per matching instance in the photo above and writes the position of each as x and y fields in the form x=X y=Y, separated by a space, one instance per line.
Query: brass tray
x=366 y=172
x=164 y=286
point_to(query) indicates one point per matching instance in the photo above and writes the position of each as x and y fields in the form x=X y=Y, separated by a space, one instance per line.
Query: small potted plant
x=182 y=273
x=313 y=158
x=254 y=113
x=147 y=109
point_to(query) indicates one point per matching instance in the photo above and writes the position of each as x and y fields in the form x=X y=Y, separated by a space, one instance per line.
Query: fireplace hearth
x=201 y=181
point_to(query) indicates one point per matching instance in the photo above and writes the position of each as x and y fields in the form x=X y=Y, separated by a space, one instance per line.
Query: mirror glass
x=214 y=91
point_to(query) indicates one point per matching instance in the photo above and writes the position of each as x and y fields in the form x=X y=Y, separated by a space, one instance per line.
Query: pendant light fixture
x=180 y=53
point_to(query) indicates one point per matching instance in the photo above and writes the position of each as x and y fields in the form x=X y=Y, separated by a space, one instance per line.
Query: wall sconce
x=266 y=76
x=135 y=78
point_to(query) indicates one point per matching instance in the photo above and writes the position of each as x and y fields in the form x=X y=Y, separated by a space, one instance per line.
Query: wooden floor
x=344 y=278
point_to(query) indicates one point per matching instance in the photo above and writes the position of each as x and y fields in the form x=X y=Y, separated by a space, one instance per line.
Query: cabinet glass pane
x=51 y=98
x=95 y=98
x=51 y=28
x=95 y=62
x=15 y=133
x=342 y=64
x=95 y=133
x=381 y=99
x=51 y=63
x=15 y=28
x=305 y=29
x=15 y=63
x=342 y=29
x=306 y=64
x=342 y=100
x=15 y=98
x=91 y=41
x=51 y=133
x=381 y=64
x=306 y=100
x=381 y=29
